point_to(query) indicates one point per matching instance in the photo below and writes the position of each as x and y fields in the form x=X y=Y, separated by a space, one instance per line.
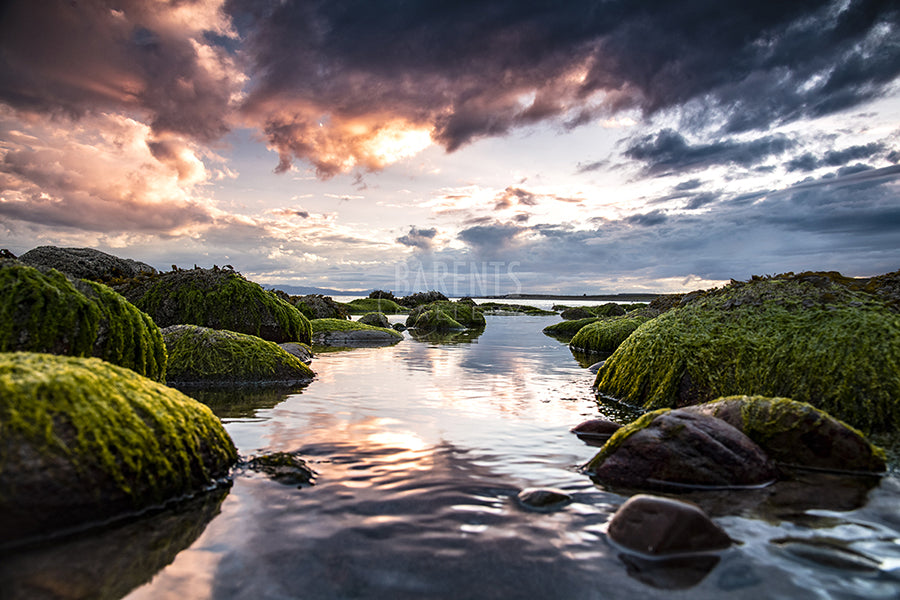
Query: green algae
x=445 y=315
x=499 y=308
x=199 y=355
x=605 y=335
x=117 y=430
x=43 y=311
x=565 y=330
x=361 y=306
x=327 y=325
x=218 y=299
x=805 y=337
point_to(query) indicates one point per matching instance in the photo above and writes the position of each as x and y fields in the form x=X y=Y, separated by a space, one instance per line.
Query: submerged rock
x=376 y=319
x=217 y=299
x=284 y=467
x=44 y=311
x=203 y=356
x=340 y=333
x=543 y=499
x=84 y=441
x=85 y=263
x=596 y=429
x=797 y=433
x=658 y=526
x=812 y=337
x=669 y=449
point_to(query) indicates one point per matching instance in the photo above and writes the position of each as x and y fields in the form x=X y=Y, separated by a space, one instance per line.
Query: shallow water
x=420 y=450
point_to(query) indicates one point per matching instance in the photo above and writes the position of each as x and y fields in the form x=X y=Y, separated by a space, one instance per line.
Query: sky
x=472 y=147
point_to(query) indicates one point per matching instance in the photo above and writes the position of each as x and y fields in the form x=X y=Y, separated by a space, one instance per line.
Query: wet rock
x=595 y=429
x=301 y=351
x=284 y=467
x=203 y=356
x=543 y=499
x=605 y=335
x=576 y=313
x=658 y=526
x=217 y=299
x=672 y=449
x=349 y=334
x=816 y=338
x=445 y=316
x=827 y=552
x=420 y=298
x=84 y=441
x=85 y=263
x=596 y=366
x=797 y=433
x=376 y=319
x=398 y=327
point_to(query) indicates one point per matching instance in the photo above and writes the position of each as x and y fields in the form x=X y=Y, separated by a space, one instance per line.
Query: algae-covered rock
x=797 y=433
x=565 y=330
x=808 y=337
x=361 y=306
x=85 y=263
x=218 y=299
x=203 y=356
x=317 y=306
x=348 y=334
x=83 y=440
x=375 y=319
x=577 y=313
x=605 y=335
x=503 y=308
x=420 y=298
x=44 y=311
x=675 y=449
x=445 y=316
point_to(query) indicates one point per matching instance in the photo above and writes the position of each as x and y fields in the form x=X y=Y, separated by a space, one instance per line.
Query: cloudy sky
x=475 y=147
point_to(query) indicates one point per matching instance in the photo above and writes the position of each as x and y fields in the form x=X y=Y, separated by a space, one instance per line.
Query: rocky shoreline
x=739 y=386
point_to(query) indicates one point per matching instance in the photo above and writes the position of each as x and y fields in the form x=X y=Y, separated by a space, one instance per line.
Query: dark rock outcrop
x=85 y=263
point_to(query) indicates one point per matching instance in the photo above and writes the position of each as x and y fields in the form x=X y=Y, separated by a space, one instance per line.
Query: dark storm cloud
x=72 y=58
x=492 y=237
x=669 y=152
x=467 y=70
x=419 y=238
x=835 y=158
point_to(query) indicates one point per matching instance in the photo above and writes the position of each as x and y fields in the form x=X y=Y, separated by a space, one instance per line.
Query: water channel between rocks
x=420 y=450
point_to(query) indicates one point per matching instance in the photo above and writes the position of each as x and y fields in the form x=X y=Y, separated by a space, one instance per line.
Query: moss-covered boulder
x=606 y=334
x=445 y=316
x=203 y=356
x=44 y=311
x=809 y=337
x=420 y=298
x=503 y=308
x=797 y=433
x=577 y=313
x=218 y=299
x=376 y=319
x=565 y=330
x=83 y=440
x=317 y=306
x=350 y=334
x=85 y=263
x=361 y=306
x=672 y=449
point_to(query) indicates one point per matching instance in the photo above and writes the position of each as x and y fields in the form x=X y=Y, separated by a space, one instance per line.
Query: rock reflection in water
x=107 y=563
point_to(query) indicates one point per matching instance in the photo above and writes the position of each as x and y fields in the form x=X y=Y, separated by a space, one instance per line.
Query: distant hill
x=302 y=290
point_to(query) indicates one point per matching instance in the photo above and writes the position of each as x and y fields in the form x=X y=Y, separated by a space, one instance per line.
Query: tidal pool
x=420 y=449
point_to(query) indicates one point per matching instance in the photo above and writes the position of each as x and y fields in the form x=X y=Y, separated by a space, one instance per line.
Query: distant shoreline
x=607 y=297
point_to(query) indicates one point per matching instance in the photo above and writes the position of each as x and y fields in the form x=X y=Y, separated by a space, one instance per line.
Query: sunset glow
x=741 y=142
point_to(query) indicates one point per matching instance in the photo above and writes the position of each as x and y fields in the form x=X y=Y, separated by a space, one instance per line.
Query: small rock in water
x=596 y=428
x=398 y=327
x=662 y=526
x=596 y=366
x=299 y=350
x=829 y=553
x=543 y=499
x=283 y=467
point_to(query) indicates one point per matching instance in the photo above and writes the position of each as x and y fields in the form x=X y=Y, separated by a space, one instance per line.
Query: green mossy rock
x=83 y=440
x=606 y=334
x=317 y=306
x=43 y=311
x=445 y=316
x=218 y=299
x=203 y=356
x=566 y=330
x=376 y=319
x=348 y=334
x=361 y=306
x=797 y=433
x=501 y=308
x=808 y=337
